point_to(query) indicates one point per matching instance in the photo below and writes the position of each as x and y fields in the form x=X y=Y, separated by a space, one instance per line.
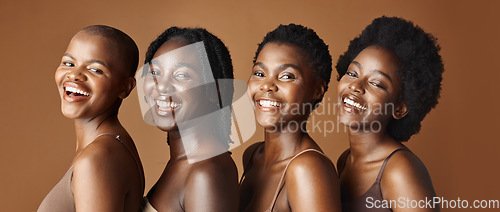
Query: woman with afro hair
x=389 y=79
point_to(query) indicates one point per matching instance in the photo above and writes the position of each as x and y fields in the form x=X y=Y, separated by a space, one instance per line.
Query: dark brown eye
x=69 y=64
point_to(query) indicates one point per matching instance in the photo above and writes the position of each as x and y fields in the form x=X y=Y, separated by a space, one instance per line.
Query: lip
x=166 y=105
x=75 y=92
x=266 y=104
x=353 y=104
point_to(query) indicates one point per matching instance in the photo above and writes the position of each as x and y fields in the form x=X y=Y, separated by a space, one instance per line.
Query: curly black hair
x=220 y=63
x=420 y=74
x=307 y=42
x=127 y=46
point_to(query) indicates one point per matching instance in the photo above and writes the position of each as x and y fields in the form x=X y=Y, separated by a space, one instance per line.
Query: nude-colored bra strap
x=282 y=180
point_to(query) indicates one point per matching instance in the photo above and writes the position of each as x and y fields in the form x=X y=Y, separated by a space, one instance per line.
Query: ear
x=127 y=88
x=320 y=91
x=401 y=110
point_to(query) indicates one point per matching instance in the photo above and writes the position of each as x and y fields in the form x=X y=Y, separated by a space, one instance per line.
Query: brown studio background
x=458 y=141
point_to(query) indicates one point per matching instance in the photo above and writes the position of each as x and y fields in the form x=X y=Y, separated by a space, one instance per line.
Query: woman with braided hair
x=186 y=97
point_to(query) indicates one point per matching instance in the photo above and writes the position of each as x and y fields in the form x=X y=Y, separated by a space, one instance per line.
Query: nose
x=164 y=86
x=357 y=86
x=268 y=85
x=76 y=75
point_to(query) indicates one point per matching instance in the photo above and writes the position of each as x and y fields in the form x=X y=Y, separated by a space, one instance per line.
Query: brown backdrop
x=458 y=142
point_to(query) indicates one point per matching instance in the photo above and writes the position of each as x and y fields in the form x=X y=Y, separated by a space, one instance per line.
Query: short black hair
x=124 y=42
x=420 y=73
x=218 y=57
x=308 y=42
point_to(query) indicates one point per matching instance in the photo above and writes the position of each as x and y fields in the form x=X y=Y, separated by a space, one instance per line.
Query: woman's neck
x=88 y=129
x=195 y=143
x=367 y=146
x=282 y=144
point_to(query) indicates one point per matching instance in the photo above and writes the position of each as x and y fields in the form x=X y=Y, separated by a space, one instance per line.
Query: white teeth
x=76 y=90
x=269 y=103
x=167 y=105
x=351 y=103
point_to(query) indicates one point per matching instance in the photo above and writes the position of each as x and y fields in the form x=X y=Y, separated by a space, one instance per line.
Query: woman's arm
x=99 y=180
x=312 y=184
x=406 y=180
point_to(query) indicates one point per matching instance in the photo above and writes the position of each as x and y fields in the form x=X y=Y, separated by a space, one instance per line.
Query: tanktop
x=60 y=198
x=375 y=191
x=282 y=179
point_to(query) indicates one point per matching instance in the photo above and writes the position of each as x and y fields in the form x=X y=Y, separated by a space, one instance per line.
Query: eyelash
x=377 y=84
x=154 y=73
x=182 y=76
x=69 y=64
x=351 y=74
x=258 y=74
x=95 y=70
x=291 y=76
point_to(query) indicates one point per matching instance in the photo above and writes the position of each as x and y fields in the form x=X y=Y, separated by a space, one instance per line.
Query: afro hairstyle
x=420 y=72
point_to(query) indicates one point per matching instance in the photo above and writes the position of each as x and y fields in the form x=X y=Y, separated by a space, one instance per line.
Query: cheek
x=341 y=86
x=148 y=87
x=58 y=75
x=252 y=87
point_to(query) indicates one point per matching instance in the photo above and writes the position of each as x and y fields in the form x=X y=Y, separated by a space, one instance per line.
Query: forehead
x=378 y=58
x=175 y=53
x=276 y=54
x=86 y=47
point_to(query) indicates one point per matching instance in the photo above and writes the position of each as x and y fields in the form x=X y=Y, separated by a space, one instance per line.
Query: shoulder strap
x=379 y=177
x=250 y=162
x=282 y=180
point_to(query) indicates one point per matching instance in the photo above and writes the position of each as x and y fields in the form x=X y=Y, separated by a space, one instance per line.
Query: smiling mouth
x=269 y=103
x=74 y=92
x=165 y=107
x=353 y=104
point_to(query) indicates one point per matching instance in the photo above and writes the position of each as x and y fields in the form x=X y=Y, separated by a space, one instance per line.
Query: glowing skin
x=92 y=80
x=372 y=81
x=282 y=81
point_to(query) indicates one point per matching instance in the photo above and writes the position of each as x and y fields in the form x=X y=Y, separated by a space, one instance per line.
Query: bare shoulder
x=104 y=156
x=99 y=176
x=403 y=166
x=214 y=168
x=312 y=183
x=312 y=162
x=211 y=182
x=406 y=175
x=249 y=152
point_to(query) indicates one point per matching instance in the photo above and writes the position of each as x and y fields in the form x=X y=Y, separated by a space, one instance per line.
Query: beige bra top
x=61 y=198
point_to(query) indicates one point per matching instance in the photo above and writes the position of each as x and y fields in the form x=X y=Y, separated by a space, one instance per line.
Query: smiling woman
x=95 y=74
x=182 y=97
x=389 y=79
x=288 y=171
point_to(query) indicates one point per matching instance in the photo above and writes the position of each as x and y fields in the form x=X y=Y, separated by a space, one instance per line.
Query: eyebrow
x=89 y=61
x=281 y=67
x=97 y=61
x=68 y=55
x=260 y=64
x=382 y=73
x=373 y=71
x=177 y=65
